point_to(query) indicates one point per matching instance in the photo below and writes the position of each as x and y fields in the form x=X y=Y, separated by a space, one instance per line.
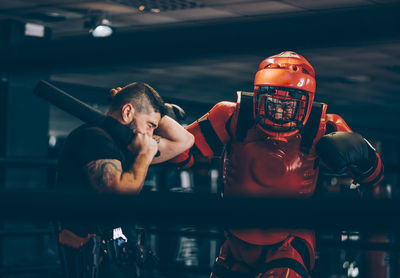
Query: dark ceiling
x=203 y=51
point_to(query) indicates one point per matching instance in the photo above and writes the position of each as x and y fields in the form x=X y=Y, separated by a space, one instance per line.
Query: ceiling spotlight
x=102 y=31
x=99 y=27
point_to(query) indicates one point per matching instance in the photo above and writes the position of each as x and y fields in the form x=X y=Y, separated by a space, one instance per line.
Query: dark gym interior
x=195 y=53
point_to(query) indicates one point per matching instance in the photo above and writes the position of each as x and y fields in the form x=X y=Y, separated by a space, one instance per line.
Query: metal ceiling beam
x=49 y=4
x=259 y=34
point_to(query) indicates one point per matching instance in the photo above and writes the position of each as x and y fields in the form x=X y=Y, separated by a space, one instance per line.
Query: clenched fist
x=143 y=144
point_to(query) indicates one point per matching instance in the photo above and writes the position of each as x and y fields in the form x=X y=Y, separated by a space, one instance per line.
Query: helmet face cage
x=280 y=109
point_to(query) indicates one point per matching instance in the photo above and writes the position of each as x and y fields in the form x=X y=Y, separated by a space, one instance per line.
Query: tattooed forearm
x=157 y=138
x=103 y=173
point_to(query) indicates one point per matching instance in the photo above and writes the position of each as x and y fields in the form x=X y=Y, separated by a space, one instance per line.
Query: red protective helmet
x=284 y=89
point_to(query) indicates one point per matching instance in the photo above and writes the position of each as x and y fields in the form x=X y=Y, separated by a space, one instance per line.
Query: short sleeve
x=94 y=143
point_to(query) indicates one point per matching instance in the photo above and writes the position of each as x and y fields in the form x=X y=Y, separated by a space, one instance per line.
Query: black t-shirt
x=85 y=144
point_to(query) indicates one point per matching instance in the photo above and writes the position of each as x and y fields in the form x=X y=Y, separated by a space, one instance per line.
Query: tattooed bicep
x=103 y=173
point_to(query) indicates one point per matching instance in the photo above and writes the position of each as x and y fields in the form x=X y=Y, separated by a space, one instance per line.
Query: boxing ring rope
x=27 y=162
x=203 y=210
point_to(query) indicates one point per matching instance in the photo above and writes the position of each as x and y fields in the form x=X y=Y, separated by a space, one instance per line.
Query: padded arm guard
x=335 y=123
x=211 y=132
x=183 y=160
x=347 y=151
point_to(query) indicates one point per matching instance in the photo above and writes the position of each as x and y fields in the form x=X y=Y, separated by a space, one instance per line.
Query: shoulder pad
x=336 y=123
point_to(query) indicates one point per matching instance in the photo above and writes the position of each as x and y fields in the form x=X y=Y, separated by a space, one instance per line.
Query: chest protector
x=254 y=165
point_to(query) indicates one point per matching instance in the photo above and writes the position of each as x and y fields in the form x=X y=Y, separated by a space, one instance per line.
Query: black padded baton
x=71 y=105
x=68 y=103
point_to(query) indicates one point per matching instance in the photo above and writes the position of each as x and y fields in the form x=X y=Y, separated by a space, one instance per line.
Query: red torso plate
x=260 y=167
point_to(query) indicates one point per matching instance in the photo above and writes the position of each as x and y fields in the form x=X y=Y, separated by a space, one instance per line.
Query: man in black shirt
x=114 y=156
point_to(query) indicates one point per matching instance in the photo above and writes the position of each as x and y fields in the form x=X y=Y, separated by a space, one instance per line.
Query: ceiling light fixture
x=102 y=30
x=99 y=26
x=34 y=30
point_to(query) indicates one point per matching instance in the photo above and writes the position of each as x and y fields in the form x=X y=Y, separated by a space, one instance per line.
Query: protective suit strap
x=210 y=135
x=310 y=130
x=245 y=118
x=303 y=250
x=286 y=263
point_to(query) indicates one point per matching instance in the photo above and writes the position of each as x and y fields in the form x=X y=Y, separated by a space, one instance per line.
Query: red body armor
x=258 y=167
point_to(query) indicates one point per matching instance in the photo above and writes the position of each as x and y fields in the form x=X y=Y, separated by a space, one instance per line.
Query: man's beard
x=133 y=126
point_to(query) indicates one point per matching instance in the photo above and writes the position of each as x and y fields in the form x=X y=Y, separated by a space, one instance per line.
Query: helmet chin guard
x=284 y=89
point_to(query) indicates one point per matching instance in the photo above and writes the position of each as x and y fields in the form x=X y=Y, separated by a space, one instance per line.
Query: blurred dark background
x=195 y=53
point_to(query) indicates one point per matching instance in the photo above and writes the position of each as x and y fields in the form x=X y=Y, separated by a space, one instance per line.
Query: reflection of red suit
x=258 y=166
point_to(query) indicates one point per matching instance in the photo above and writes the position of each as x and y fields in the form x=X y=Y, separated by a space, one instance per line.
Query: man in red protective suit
x=272 y=141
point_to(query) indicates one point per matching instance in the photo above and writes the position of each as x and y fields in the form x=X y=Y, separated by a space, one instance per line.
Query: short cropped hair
x=142 y=97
